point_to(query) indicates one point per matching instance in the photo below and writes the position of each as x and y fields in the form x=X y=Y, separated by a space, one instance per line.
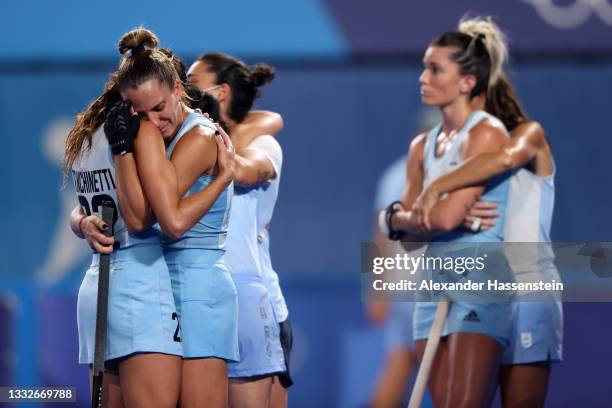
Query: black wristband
x=121 y=147
x=394 y=235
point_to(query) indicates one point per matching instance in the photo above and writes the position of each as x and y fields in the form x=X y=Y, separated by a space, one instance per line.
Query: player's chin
x=166 y=130
x=427 y=100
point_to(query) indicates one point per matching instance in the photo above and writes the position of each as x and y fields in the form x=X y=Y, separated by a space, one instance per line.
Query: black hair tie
x=133 y=51
x=139 y=49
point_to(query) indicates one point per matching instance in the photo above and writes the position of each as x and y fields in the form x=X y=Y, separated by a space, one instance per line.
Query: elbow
x=173 y=234
x=242 y=178
x=507 y=163
x=447 y=226
x=174 y=229
x=278 y=122
x=134 y=225
x=239 y=175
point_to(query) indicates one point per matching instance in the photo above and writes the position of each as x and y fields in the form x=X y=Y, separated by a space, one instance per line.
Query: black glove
x=393 y=234
x=121 y=128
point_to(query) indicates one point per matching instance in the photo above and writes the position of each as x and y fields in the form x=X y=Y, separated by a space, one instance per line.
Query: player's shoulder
x=419 y=140
x=257 y=122
x=489 y=129
x=148 y=130
x=198 y=141
x=203 y=131
x=264 y=115
x=530 y=128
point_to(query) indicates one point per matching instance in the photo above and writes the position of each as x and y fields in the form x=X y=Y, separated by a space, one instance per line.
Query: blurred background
x=347 y=87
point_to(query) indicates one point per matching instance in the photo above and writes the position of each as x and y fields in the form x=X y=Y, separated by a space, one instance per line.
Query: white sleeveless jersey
x=528 y=220
x=242 y=237
x=93 y=175
x=268 y=194
x=242 y=250
x=268 y=191
x=530 y=207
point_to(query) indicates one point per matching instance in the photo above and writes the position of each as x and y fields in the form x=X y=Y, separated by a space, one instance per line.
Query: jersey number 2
x=96 y=204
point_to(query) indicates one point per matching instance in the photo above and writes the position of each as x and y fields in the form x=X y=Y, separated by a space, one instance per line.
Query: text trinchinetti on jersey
x=93 y=181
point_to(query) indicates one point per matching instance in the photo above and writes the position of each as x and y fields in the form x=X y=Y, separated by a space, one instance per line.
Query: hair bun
x=262 y=74
x=493 y=39
x=137 y=41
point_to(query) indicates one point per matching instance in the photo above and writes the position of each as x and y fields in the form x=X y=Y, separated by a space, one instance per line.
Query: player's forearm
x=165 y=182
x=177 y=220
x=404 y=221
x=133 y=203
x=445 y=217
x=76 y=216
x=248 y=173
x=450 y=212
x=475 y=170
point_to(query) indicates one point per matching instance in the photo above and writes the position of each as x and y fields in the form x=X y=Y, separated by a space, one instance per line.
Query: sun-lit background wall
x=347 y=87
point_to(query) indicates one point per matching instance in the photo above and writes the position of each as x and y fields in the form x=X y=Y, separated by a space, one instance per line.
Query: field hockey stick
x=101 y=312
x=416 y=398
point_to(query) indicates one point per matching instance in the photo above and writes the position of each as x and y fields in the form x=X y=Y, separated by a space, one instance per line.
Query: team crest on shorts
x=526 y=339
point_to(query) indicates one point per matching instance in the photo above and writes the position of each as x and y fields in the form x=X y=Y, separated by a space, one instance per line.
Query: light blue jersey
x=496 y=189
x=488 y=318
x=142 y=316
x=211 y=230
x=204 y=292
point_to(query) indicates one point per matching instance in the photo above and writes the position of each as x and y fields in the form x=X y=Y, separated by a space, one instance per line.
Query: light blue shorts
x=537 y=334
x=261 y=352
x=491 y=319
x=398 y=330
x=205 y=298
x=141 y=312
